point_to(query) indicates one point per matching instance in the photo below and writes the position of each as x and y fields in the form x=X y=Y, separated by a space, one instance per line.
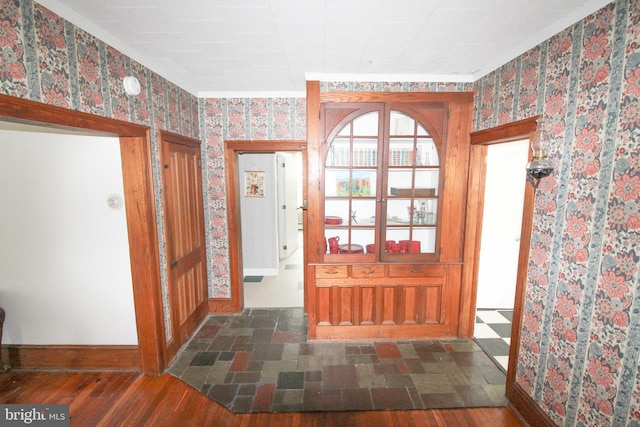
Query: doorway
x=236 y=190
x=480 y=141
x=499 y=247
x=135 y=151
x=272 y=232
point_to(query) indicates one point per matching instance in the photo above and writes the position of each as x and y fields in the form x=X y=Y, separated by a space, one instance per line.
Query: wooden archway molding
x=135 y=149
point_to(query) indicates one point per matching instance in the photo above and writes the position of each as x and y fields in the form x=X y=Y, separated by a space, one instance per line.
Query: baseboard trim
x=528 y=409
x=72 y=357
x=261 y=271
x=222 y=305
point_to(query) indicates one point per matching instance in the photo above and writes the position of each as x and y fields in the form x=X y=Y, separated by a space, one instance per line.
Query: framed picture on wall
x=254 y=183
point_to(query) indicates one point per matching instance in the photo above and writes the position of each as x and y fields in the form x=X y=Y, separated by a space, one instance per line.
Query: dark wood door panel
x=186 y=249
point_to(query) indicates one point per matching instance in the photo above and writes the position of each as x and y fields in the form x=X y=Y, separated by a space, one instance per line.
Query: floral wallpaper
x=580 y=344
x=48 y=59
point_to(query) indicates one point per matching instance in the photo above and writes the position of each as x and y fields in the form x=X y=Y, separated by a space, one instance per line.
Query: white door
x=501 y=223
x=287 y=204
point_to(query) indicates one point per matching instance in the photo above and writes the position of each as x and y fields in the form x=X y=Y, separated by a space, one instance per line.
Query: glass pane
x=366 y=125
x=401 y=152
x=401 y=124
x=399 y=182
x=336 y=182
x=365 y=152
x=363 y=183
x=393 y=238
x=399 y=211
x=427 y=239
x=426 y=183
x=427 y=210
x=337 y=236
x=422 y=130
x=336 y=212
x=363 y=212
x=346 y=130
x=363 y=237
x=339 y=153
x=426 y=153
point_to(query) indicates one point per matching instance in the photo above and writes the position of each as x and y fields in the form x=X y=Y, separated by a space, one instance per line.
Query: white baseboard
x=261 y=271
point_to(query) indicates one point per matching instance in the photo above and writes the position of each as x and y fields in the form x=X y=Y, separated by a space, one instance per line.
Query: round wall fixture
x=131 y=85
x=114 y=201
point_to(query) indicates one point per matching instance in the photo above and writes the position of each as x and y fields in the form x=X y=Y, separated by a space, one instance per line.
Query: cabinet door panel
x=389 y=305
x=409 y=314
x=345 y=302
x=367 y=306
x=323 y=309
x=433 y=304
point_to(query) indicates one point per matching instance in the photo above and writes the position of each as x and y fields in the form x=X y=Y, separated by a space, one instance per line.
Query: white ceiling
x=270 y=47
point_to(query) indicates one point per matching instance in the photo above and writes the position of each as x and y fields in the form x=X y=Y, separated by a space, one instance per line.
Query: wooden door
x=287 y=205
x=186 y=250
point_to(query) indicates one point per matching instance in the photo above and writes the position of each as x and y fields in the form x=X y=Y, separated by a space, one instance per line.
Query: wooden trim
x=473 y=228
x=72 y=357
x=167 y=136
x=403 y=97
x=504 y=133
x=314 y=249
x=231 y=149
x=521 y=282
x=526 y=408
x=135 y=149
x=26 y=111
x=221 y=306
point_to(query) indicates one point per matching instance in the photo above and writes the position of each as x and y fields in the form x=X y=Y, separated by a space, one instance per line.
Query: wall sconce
x=540 y=166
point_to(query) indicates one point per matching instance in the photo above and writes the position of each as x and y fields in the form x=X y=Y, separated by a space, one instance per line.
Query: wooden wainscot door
x=186 y=249
x=386 y=251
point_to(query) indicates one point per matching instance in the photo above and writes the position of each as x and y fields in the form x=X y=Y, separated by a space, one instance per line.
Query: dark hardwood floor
x=130 y=399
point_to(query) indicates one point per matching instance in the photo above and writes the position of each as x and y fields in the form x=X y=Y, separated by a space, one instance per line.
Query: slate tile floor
x=261 y=361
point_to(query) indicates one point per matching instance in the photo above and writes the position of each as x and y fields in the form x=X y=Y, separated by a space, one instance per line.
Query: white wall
x=65 y=276
x=259 y=218
x=501 y=224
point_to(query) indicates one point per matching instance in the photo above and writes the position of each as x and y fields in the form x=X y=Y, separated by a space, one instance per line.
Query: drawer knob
x=368 y=271
x=417 y=271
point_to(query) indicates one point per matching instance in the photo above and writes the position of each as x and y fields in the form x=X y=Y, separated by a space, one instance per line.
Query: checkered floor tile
x=493 y=334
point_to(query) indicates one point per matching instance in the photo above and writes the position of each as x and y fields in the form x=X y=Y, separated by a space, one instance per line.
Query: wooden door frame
x=137 y=174
x=480 y=140
x=235 y=303
x=166 y=137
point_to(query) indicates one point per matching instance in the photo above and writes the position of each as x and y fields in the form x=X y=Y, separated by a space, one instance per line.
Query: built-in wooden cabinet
x=386 y=200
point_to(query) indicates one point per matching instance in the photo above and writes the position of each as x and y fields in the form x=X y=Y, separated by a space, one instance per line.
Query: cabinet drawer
x=332 y=272
x=367 y=270
x=416 y=270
